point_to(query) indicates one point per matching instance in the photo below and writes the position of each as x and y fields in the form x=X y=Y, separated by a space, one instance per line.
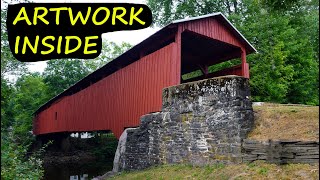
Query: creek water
x=76 y=171
x=75 y=158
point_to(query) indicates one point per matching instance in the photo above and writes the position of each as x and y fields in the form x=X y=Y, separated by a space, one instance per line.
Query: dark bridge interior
x=199 y=52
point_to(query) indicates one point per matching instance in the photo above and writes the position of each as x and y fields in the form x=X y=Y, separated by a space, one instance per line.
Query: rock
x=281 y=151
x=119 y=157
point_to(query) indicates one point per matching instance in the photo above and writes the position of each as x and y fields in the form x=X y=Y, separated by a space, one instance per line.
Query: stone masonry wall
x=281 y=151
x=201 y=122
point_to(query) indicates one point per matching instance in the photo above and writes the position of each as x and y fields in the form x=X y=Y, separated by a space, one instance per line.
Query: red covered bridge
x=116 y=95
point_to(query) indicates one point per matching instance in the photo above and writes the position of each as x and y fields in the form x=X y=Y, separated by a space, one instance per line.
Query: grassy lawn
x=276 y=121
x=257 y=170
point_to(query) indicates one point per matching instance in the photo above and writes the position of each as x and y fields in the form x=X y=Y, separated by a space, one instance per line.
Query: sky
x=132 y=37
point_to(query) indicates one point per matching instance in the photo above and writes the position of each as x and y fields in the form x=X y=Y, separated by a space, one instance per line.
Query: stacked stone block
x=281 y=151
x=201 y=122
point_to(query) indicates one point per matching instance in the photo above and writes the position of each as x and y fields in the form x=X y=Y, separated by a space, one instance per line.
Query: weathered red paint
x=119 y=99
x=116 y=101
x=212 y=28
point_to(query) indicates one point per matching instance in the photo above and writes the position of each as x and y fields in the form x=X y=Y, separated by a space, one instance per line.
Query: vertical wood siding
x=212 y=28
x=118 y=100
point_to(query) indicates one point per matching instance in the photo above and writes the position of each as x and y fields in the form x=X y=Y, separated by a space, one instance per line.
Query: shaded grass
x=255 y=170
x=277 y=121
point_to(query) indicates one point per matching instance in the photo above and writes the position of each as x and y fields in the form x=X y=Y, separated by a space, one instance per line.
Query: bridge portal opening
x=203 y=57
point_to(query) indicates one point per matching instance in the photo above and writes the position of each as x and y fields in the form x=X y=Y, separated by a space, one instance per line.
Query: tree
x=63 y=73
x=110 y=50
x=7 y=91
x=270 y=71
x=294 y=30
x=31 y=92
x=18 y=102
x=14 y=165
x=168 y=10
x=9 y=65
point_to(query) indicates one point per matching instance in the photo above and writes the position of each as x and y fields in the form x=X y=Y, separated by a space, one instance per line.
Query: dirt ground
x=278 y=121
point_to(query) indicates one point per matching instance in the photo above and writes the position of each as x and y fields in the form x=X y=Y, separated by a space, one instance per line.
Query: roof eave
x=251 y=48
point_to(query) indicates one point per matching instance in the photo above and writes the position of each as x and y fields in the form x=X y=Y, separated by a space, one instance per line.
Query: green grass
x=256 y=170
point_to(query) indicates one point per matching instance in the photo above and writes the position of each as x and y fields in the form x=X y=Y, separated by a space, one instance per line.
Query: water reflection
x=79 y=171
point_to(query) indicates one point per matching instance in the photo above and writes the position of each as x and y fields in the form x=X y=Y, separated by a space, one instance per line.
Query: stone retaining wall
x=201 y=122
x=281 y=151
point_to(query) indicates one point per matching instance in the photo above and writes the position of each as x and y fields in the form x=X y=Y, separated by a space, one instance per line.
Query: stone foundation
x=201 y=122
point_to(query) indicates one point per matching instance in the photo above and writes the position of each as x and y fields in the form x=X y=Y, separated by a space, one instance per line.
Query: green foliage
x=251 y=165
x=168 y=10
x=63 y=73
x=192 y=75
x=14 y=164
x=213 y=68
x=270 y=71
x=31 y=92
x=9 y=65
x=263 y=171
x=110 y=50
x=17 y=105
x=17 y=102
x=286 y=67
x=6 y=105
x=106 y=146
x=224 y=65
x=281 y=5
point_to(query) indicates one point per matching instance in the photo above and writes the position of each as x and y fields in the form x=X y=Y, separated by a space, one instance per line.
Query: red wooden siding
x=116 y=101
x=212 y=28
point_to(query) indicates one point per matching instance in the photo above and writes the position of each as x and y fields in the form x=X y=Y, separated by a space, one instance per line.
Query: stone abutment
x=201 y=122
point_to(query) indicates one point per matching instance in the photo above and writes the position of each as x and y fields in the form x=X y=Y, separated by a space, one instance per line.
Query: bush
x=14 y=162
